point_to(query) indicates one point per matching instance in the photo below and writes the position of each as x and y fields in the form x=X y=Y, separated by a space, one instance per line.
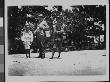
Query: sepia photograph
x=56 y=40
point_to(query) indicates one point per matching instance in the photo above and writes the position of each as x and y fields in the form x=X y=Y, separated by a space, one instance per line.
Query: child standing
x=27 y=39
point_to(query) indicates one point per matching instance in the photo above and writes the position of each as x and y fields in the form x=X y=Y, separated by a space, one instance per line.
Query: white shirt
x=27 y=36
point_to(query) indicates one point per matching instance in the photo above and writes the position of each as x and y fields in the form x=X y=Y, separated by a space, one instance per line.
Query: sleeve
x=31 y=36
x=23 y=36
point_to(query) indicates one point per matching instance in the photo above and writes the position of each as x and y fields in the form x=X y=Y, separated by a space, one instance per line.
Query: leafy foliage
x=79 y=21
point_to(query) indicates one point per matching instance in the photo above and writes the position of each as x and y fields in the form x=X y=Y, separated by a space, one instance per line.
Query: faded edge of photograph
x=57 y=40
x=2 y=76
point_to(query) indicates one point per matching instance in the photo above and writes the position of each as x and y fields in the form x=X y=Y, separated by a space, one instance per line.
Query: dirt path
x=88 y=62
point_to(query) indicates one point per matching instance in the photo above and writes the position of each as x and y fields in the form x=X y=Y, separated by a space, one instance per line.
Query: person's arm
x=35 y=31
x=31 y=37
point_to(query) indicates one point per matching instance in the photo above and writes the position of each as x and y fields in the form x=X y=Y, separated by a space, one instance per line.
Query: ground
x=85 y=62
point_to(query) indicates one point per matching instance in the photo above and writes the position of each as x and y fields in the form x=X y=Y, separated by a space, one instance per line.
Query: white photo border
x=56 y=78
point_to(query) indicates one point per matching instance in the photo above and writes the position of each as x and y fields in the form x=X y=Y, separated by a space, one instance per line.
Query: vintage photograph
x=57 y=40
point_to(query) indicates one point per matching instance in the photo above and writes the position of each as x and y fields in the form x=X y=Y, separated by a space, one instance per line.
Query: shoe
x=39 y=57
x=58 y=56
x=51 y=58
x=42 y=57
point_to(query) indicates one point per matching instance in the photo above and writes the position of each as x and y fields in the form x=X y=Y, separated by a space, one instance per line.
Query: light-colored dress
x=27 y=44
x=27 y=39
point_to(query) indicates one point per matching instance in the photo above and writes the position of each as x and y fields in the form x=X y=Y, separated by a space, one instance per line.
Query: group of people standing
x=42 y=39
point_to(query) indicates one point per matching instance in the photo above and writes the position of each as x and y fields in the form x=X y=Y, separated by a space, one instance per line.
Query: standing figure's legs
x=53 y=49
x=40 y=48
x=59 y=46
x=53 y=52
x=59 y=52
x=29 y=52
x=26 y=51
x=41 y=52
